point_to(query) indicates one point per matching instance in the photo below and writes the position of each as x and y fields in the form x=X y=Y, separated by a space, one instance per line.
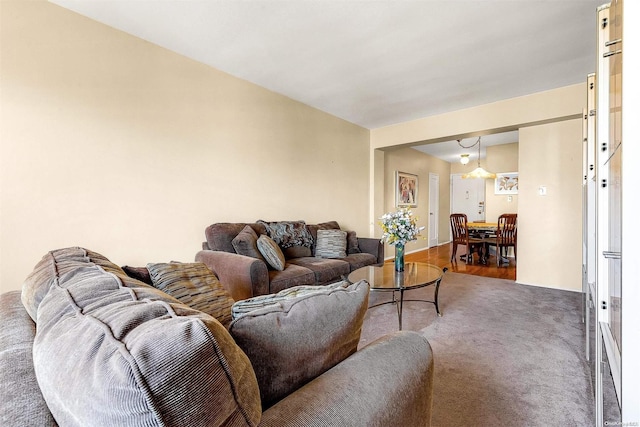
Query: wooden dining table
x=482 y=226
x=482 y=230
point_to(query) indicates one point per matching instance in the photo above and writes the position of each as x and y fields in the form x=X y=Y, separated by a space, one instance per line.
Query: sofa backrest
x=110 y=350
x=220 y=235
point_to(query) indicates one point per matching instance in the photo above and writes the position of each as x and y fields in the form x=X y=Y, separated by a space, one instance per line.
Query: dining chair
x=506 y=237
x=460 y=236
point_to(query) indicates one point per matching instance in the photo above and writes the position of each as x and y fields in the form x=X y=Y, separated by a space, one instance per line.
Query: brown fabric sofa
x=248 y=276
x=84 y=344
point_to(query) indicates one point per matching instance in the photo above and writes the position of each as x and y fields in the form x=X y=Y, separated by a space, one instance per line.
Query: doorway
x=468 y=197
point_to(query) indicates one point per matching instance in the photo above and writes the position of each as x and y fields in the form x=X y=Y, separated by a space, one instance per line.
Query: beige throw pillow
x=271 y=252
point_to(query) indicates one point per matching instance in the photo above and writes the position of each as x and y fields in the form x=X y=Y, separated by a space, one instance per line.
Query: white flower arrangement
x=399 y=228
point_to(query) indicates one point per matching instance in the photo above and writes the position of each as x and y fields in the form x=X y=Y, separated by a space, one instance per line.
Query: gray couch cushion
x=57 y=263
x=195 y=285
x=21 y=402
x=296 y=252
x=220 y=235
x=110 y=350
x=246 y=243
x=293 y=341
x=293 y=275
x=352 y=243
x=357 y=261
x=324 y=270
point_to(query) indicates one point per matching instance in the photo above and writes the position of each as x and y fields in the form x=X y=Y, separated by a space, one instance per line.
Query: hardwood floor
x=440 y=256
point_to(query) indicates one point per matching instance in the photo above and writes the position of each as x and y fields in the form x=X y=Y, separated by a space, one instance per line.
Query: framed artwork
x=506 y=183
x=406 y=190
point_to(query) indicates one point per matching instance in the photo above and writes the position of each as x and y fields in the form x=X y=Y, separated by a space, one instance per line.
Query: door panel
x=468 y=197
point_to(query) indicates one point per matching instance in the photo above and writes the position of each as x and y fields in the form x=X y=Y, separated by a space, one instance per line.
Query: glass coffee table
x=415 y=275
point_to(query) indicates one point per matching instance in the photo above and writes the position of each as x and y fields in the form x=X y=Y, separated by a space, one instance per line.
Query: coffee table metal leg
x=400 y=309
x=435 y=298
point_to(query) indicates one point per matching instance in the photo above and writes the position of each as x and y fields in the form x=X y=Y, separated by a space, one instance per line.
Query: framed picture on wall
x=406 y=190
x=506 y=183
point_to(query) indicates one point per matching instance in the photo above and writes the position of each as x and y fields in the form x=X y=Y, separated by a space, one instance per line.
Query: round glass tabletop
x=415 y=275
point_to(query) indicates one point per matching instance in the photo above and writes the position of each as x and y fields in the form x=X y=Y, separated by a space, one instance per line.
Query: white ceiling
x=373 y=62
x=450 y=151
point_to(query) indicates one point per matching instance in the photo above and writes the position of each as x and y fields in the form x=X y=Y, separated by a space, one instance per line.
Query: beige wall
x=500 y=158
x=551 y=156
x=415 y=162
x=114 y=144
x=502 y=116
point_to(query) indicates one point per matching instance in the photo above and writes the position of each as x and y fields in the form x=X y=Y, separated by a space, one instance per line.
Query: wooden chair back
x=459 y=229
x=507 y=232
x=460 y=236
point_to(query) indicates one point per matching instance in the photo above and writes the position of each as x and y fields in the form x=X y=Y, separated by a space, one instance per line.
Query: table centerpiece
x=399 y=228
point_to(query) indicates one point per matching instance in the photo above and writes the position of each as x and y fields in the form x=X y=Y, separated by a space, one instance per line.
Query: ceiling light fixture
x=477 y=172
x=464 y=159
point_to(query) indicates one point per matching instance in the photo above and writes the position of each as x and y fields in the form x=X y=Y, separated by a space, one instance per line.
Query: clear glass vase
x=399 y=261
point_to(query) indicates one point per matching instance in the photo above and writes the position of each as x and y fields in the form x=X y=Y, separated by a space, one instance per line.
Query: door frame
x=434 y=209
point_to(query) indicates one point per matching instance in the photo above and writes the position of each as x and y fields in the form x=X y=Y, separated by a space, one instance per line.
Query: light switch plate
x=542 y=190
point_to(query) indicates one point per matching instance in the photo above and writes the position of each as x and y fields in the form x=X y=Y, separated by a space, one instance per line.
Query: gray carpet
x=505 y=354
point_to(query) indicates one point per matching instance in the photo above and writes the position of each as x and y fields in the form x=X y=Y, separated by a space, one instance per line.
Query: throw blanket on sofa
x=288 y=233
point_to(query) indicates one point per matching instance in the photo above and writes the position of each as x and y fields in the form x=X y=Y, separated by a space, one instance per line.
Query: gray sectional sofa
x=245 y=273
x=85 y=344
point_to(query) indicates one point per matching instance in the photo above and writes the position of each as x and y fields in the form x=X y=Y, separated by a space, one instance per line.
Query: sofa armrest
x=388 y=382
x=373 y=247
x=22 y=401
x=242 y=276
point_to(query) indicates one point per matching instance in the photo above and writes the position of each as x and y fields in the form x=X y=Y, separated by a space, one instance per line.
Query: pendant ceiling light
x=477 y=172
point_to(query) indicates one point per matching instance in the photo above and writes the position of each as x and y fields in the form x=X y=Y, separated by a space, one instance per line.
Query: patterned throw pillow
x=331 y=244
x=195 y=285
x=288 y=233
x=271 y=252
x=246 y=243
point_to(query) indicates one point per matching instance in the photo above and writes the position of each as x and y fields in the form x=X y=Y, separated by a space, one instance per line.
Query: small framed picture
x=506 y=183
x=406 y=190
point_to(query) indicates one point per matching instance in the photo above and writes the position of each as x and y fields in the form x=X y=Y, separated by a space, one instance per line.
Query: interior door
x=468 y=197
x=434 y=208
